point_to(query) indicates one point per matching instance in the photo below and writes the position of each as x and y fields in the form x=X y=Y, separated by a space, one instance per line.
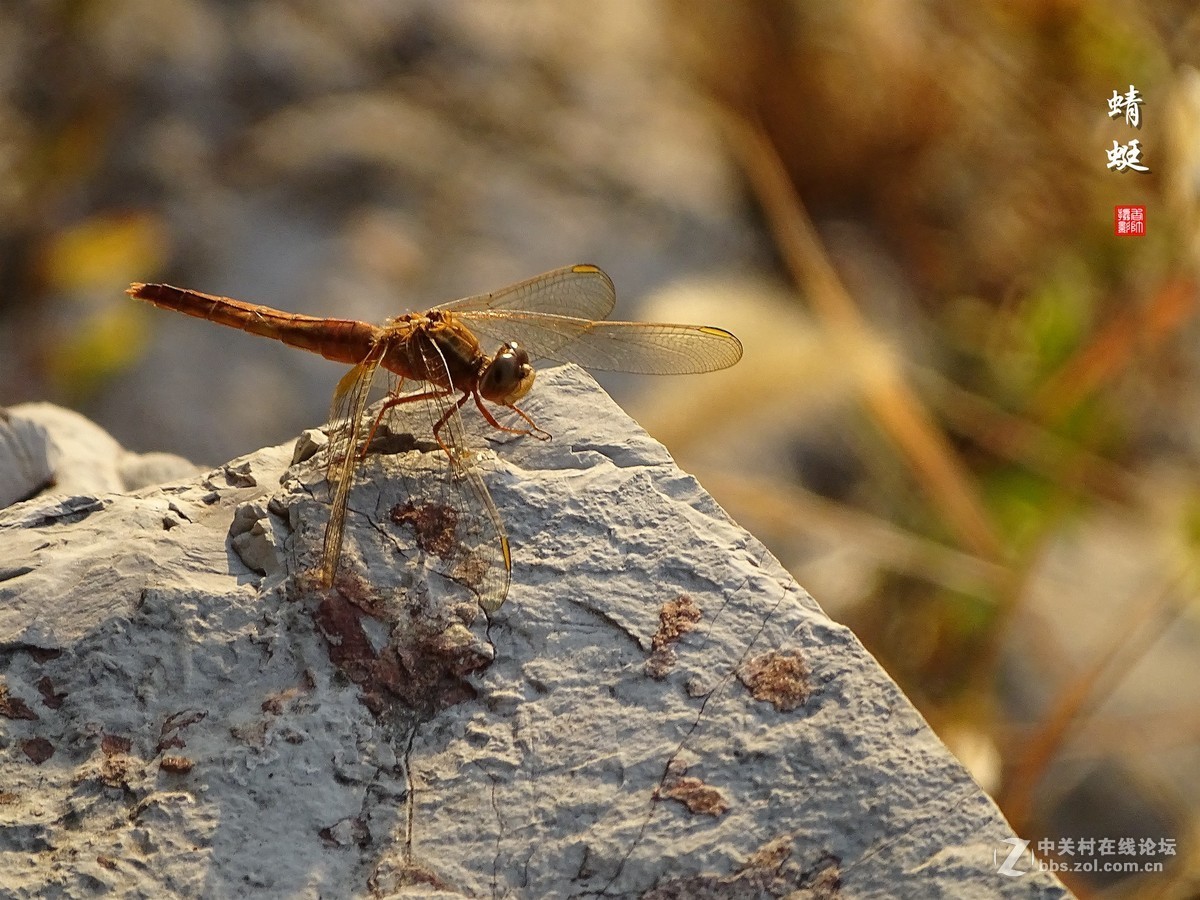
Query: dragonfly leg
x=446 y=418
x=532 y=430
x=397 y=401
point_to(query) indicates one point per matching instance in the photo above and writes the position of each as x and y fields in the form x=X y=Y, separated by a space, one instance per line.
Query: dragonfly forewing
x=640 y=347
x=581 y=291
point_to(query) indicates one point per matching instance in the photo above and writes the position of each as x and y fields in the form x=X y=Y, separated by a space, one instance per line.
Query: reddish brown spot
x=777 y=678
x=14 y=707
x=676 y=618
x=825 y=882
x=349 y=647
x=42 y=655
x=106 y=862
x=473 y=568
x=693 y=793
x=50 y=697
x=769 y=872
x=37 y=749
x=435 y=526
x=423 y=665
x=772 y=854
x=116 y=767
x=112 y=744
x=661 y=661
x=177 y=765
x=391 y=878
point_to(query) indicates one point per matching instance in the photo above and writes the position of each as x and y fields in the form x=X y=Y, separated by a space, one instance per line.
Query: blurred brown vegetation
x=967 y=418
x=1040 y=397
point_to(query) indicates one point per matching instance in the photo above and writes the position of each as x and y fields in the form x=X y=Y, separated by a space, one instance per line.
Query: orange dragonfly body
x=559 y=315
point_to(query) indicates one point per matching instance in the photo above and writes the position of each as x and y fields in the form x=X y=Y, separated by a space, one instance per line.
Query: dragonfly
x=435 y=361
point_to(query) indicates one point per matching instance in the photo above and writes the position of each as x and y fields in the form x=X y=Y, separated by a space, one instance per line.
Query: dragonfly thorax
x=508 y=377
x=438 y=347
x=434 y=347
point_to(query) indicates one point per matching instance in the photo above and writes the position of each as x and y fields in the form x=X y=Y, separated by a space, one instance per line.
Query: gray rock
x=657 y=710
x=28 y=458
x=43 y=446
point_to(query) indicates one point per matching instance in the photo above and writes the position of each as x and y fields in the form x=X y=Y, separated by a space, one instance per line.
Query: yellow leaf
x=103 y=250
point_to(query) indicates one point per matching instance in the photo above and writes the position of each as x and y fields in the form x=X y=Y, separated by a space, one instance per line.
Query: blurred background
x=968 y=417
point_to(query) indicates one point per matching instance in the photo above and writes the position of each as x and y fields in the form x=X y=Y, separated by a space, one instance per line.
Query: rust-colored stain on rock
x=693 y=793
x=169 y=734
x=676 y=618
x=112 y=744
x=771 y=871
x=435 y=526
x=14 y=707
x=277 y=702
x=423 y=665
x=37 y=749
x=176 y=765
x=118 y=770
x=780 y=679
x=51 y=698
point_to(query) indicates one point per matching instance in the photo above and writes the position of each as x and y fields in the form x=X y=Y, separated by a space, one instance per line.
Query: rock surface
x=657 y=710
x=45 y=447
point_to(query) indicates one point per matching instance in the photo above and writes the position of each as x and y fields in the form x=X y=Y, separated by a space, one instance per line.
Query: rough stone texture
x=658 y=709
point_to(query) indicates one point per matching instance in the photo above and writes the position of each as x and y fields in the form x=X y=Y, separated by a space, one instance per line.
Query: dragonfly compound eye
x=509 y=376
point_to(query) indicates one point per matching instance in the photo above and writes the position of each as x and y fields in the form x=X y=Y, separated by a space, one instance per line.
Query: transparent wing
x=471 y=546
x=581 y=291
x=456 y=525
x=554 y=315
x=345 y=421
x=650 y=348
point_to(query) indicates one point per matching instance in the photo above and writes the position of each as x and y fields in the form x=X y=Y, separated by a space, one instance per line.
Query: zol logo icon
x=1009 y=866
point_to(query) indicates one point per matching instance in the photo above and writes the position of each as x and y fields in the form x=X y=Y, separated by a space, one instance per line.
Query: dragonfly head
x=508 y=377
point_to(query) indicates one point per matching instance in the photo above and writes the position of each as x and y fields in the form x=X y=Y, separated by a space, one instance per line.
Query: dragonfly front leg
x=532 y=431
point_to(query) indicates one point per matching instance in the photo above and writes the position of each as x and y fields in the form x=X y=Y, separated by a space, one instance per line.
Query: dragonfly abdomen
x=341 y=340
